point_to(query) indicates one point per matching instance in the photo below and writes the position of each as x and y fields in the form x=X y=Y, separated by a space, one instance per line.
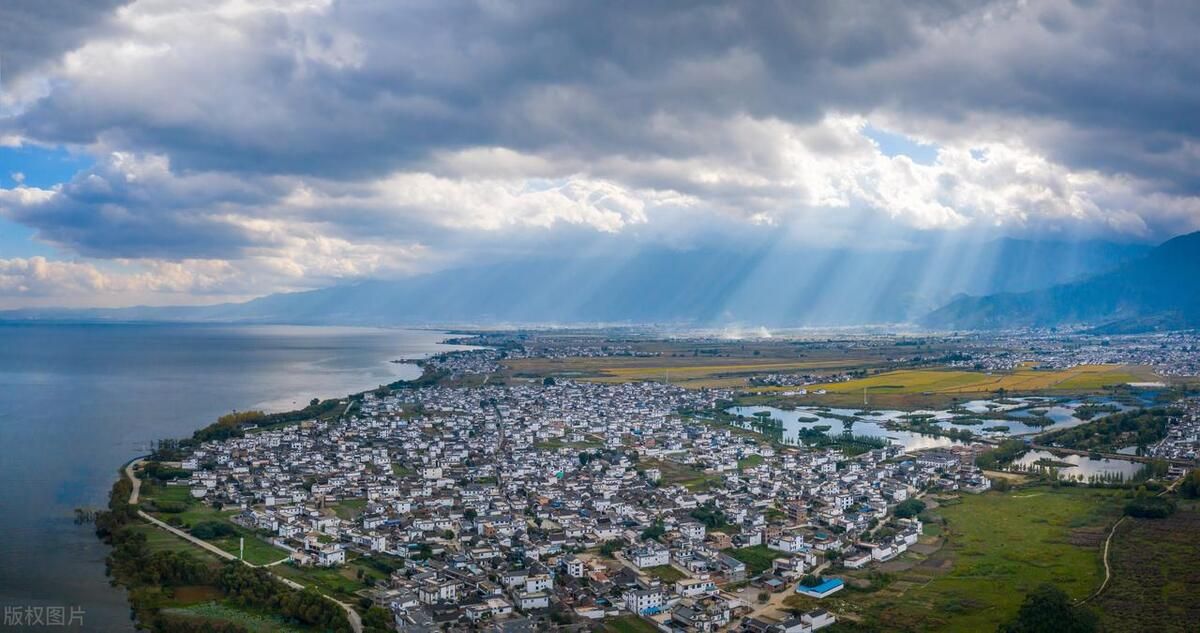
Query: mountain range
x=1160 y=291
x=773 y=287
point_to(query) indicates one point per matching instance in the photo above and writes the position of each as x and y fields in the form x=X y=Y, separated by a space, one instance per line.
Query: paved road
x=189 y=538
x=137 y=483
x=351 y=615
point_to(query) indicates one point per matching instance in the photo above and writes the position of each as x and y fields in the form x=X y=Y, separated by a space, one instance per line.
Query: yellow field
x=685 y=371
x=1083 y=377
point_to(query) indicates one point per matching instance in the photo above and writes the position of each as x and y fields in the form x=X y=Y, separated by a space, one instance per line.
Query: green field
x=257 y=551
x=628 y=624
x=999 y=546
x=349 y=509
x=1156 y=574
x=675 y=473
x=665 y=573
x=758 y=558
x=750 y=461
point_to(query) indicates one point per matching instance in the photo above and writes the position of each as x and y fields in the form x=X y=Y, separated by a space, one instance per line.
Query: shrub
x=1150 y=508
x=209 y=530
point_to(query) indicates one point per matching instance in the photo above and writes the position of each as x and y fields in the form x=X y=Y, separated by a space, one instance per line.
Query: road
x=137 y=483
x=351 y=615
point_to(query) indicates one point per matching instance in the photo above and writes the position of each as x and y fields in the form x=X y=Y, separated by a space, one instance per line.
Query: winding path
x=351 y=615
x=1108 y=542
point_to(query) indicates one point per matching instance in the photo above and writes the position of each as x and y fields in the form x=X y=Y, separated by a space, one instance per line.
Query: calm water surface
x=78 y=401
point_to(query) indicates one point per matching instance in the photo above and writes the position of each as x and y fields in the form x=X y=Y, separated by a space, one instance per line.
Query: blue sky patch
x=42 y=167
x=893 y=144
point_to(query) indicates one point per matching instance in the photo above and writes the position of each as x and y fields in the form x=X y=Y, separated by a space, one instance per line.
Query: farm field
x=1156 y=574
x=998 y=546
x=1081 y=378
x=689 y=371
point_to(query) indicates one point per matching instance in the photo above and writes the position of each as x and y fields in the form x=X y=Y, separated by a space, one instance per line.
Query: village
x=589 y=501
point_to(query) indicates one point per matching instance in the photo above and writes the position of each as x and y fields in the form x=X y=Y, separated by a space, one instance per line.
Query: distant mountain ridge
x=1160 y=291
x=768 y=286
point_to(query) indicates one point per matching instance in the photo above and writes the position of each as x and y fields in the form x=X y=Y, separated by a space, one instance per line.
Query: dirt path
x=1108 y=542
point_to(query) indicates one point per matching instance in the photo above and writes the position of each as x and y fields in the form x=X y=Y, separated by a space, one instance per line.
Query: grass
x=628 y=624
x=1156 y=574
x=758 y=558
x=341 y=582
x=665 y=573
x=258 y=552
x=226 y=612
x=674 y=473
x=349 y=509
x=159 y=540
x=750 y=461
x=999 y=546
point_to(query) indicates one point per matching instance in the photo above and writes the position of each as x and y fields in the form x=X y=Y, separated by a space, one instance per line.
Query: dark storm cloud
x=371 y=87
x=573 y=76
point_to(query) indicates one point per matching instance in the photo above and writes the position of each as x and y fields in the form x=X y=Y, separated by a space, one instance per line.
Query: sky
x=187 y=152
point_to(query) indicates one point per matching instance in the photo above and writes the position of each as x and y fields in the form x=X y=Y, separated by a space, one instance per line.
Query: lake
x=79 y=401
x=1079 y=467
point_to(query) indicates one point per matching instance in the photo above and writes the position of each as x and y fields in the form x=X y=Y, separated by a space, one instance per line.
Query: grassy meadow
x=997 y=546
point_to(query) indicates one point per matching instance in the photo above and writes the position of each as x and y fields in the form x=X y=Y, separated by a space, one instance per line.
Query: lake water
x=1082 y=467
x=78 y=401
x=1060 y=413
x=802 y=418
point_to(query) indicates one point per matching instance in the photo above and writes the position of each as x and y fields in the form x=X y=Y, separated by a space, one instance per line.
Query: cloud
x=307 y=141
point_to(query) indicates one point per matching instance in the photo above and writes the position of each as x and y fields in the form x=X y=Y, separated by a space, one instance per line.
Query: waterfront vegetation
x=1132 y=428
x=162 y=579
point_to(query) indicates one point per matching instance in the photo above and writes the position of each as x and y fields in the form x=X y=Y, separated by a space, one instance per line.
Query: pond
x=1078 y=466
x=1061 y=414
x=807 y=418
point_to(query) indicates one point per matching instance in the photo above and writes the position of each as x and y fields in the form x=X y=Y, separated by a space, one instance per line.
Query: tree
x=1048 y=609
x=314 y=402
x=612 y=547
x=1189 y=488
x=654 y=532
x=909 y=508
x=548 y=381
x=209 y=530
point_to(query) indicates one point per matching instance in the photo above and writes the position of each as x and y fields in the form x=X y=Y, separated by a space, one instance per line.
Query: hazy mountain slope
x=764 y=287
x=1160 y=290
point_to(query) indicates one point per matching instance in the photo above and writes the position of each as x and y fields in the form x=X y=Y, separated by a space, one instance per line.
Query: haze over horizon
x=162 y=153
